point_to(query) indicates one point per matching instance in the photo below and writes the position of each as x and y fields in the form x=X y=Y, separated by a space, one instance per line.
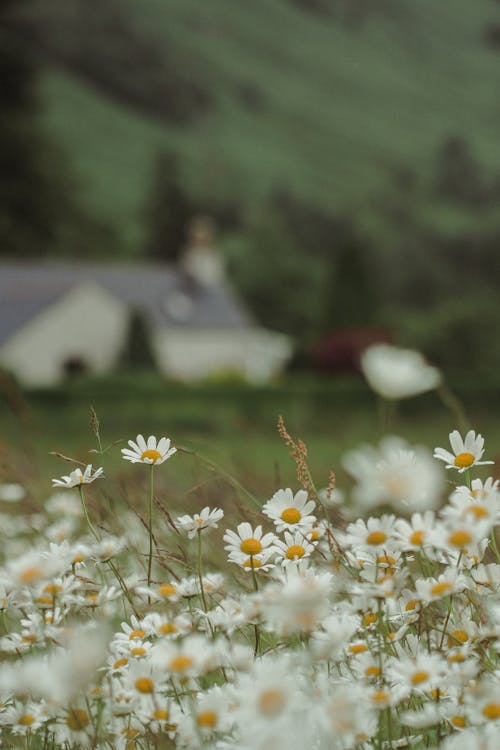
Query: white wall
x=88 y=323
x=191 y=354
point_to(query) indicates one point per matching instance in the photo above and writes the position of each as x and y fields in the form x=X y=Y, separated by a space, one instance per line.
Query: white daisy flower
x=396 y=373
x=466 y=452
x=77 y=477
x=289 y=511
x=151 y=452
x=200 y=522
x=294 y=548
x=248 y=541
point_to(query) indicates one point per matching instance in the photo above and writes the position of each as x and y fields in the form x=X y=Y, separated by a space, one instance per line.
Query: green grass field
x=339 y=108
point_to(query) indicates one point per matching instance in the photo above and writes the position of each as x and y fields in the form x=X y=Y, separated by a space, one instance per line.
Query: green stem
x=255 y=627
x=200 y=574
x=150 y=521
x=85 y=513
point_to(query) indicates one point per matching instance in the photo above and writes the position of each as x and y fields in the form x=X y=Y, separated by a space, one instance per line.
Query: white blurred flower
x=395 y=473
x=396 y=373
x=12 y=493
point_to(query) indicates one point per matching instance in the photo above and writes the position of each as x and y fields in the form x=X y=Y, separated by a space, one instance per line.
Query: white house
x=54 y=316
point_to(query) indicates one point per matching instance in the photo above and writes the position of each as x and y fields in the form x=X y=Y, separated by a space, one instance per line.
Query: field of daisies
x=357 y=616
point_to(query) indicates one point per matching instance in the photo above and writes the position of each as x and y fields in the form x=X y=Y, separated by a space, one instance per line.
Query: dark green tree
x=138 y=352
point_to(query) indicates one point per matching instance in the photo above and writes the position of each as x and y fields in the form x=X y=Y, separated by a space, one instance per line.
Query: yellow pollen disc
x=386 y=560
x=440 y=588
x=369 y=618
x=151 y=454
x=291 y=515
x=52 y=588
x=376 y=538
x=479 y=511
x=44 y=600
x=77 y=559
x=181 y=663
x=144 y=685
x=380 y=696
x=207 y=719
x=130 y=733
x=77 y=719
x=136 y=634
x=252 y=562
x=251 y=546
x=271 y=702
x=138 y=651
x=30 y=574
x=296 y=550
x=458 y=721
x=492 y=711
x=161 y=715
x=167 y=627
x=417 y=538
x=419 y=677
x=458 y=635
x=435 y=693
x=120 y=663
x=464 y=460
x=357 y=648
x=314 y=535
x=460 y=538
x=29 y=638
x=411 y=605
x=27 y=720
x=91 y=598
x=456 y=658
x=166 y=589
x=372 y=671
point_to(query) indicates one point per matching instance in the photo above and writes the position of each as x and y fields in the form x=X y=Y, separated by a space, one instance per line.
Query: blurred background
x=209 y=209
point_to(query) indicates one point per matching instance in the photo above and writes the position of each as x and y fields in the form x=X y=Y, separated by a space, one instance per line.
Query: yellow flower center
x=138 y=651
x=45 y=600
x=271 y=702
x=291 y=515
x=77 y=559
x=167 y=627
x=372 y=671
x=166 y=589
x=294 y=551
x=440 y=588
x=456 y=658
x=479 y=511
x=136 y=634
x=27 y=720
x=376 y=538
x=369 y=618
x=52 y=588
x=144 y=685
x=380 y=696
x=417 y=538
x=313 y=535
x=460 y=538
x=411 y=605
x=151 y=454
x=120 y=663
x=30 y=574
x=457 y=635
x=252 y=562
x=181 y=663
x=29 y=638
x=458 y=721
x=357 y=648
x=77 y=719
x=251 y=546
x=207 y=719
x=161 y=715
x=464 y=460
x=492 y=711
x=419 y=677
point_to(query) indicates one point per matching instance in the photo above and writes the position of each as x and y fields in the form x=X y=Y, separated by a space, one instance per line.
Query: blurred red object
x=340 y=350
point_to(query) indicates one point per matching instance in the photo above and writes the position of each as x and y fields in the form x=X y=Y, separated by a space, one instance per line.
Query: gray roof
x=164 y=293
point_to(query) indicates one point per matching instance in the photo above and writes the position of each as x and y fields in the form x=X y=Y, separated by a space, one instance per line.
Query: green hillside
x=322 y=103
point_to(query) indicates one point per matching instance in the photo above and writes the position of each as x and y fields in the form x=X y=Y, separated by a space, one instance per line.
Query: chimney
x=201 y=261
